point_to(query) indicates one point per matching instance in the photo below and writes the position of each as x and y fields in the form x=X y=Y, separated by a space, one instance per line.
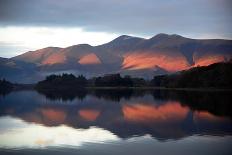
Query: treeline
x=5 y=86
x=115 y=80
x=67 y=81
x=62 y=82
x=217 y=75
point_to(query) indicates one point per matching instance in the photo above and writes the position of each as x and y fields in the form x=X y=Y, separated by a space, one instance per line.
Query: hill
x=126 y=55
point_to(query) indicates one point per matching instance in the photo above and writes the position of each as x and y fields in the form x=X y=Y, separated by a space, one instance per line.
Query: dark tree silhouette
x=218 y=75
x=61 y=82
x=5 y=87
x=113 y=80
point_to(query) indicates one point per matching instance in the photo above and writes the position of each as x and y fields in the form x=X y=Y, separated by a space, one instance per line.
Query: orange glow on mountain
x=89 y=59
x=39 y=55
x=89 y=114
x=55 y=59
x=151 y=113
x=208 y=60
x=54 y=115
x=146 y=60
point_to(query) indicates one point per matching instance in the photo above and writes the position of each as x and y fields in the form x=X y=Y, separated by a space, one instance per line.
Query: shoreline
x=18 y=87
x=162 y=88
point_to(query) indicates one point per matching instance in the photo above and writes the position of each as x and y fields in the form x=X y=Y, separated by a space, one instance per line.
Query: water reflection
x=64 y=95
x=217 y=103
x=88 y=114
x=145 y=113
x=126 y=113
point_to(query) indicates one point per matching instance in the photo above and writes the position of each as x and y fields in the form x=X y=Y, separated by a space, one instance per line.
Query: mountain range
x=126 y=55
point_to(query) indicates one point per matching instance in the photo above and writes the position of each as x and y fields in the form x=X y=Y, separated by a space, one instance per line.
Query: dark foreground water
x=116 y=122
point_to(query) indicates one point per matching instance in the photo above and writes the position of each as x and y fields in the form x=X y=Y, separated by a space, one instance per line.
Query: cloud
x=34 y=24
x=8 y=49
x=140 y=17
x=17 y=40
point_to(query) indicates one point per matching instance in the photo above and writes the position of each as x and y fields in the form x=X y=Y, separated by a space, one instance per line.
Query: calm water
x=116 y=122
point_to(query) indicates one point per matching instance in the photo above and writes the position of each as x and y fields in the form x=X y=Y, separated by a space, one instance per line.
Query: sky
x=34 y=24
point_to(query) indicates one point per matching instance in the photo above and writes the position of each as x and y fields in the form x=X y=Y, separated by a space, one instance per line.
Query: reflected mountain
x=217 y=102
x=126 y=113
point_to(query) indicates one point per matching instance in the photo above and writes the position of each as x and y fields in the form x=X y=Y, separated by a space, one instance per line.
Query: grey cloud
x=143 y=17
x=8 y=50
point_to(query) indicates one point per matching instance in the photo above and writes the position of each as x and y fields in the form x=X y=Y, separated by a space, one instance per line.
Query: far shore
x=32 y=86
x=164 y=88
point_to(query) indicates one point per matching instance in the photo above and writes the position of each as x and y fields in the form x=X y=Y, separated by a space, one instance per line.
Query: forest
x=218 y=75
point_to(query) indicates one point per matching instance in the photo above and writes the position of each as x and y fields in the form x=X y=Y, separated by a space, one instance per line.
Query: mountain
x=38 y=56
x=135 y=56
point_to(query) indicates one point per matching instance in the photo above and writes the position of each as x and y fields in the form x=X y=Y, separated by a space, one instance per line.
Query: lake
x=122 y=121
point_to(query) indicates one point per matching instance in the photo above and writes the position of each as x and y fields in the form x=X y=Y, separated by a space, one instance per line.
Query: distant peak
x=175 y=35
x=162 y=35
x=47 y=48
x=84 y=45
x=51 y=47
x=80 y=46
x=166 y=36
x=124 y=37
